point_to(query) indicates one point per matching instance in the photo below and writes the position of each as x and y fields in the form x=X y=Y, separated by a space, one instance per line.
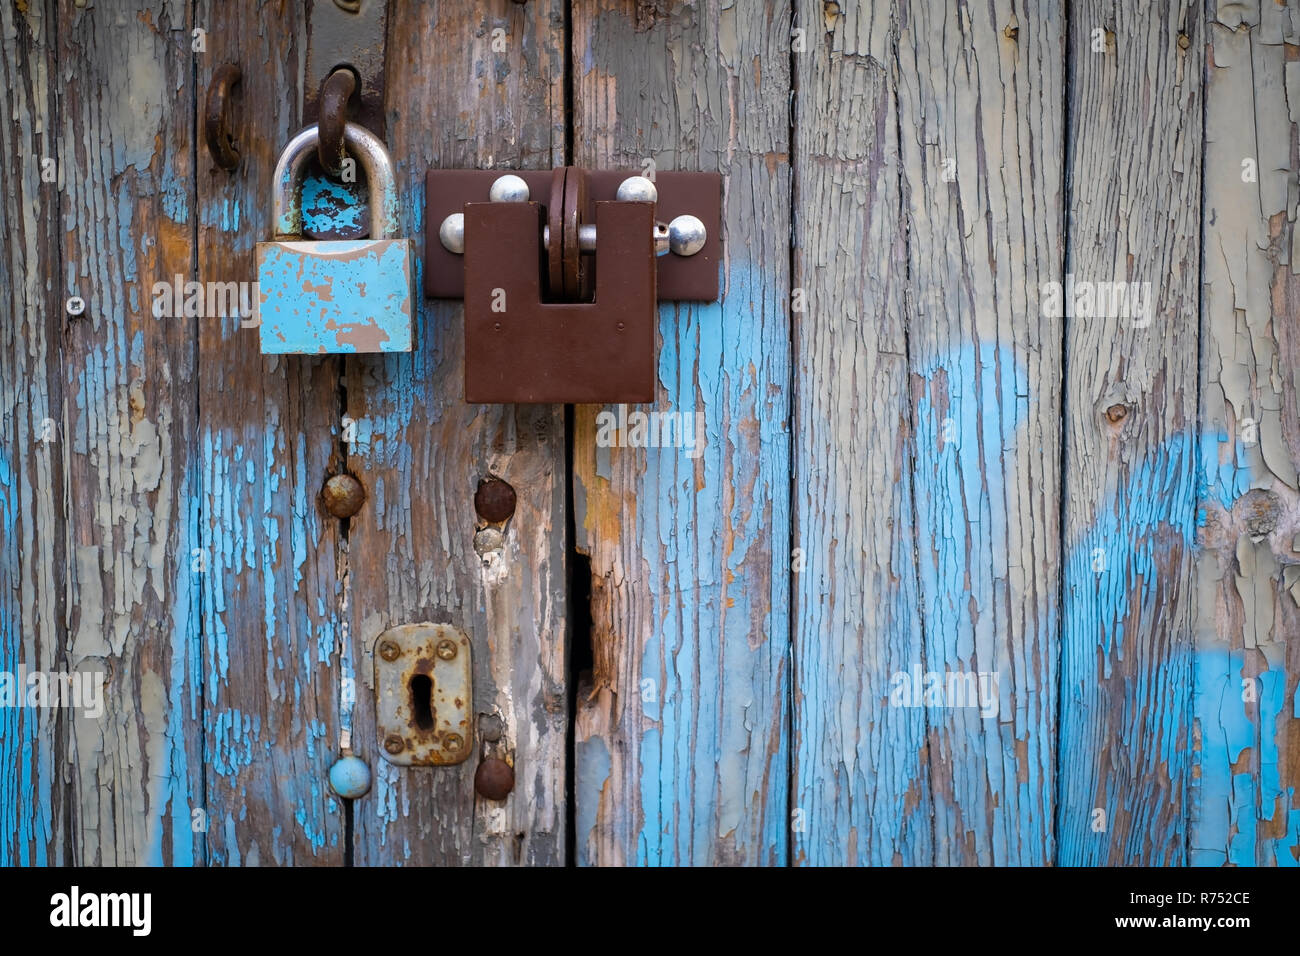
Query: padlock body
x=338 y=296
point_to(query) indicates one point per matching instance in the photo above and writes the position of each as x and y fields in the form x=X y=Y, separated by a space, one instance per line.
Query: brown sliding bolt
x=494 y=500
x=343 y=496
x=494 y=779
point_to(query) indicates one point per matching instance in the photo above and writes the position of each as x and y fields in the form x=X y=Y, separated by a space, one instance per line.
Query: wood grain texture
x=411 y=553
x=34 y=743
x=126 y=112
x=267 y=440
x=981 y=138
x=861 y=769
x=681 y=739
x=1135 y=135
x=1246 y=797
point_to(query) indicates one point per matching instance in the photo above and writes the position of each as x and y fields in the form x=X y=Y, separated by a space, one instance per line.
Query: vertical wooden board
x=462 y=95
x=1134 y=203
x=268 y=429
x=981 y=133
x=1246 y=800
x=126 y=116
x=861 y=774
x=682 y=740
x=33 y=529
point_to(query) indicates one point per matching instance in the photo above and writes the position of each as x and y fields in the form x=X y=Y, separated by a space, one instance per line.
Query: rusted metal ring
x=555 y=228
x=216 y=113
x=568 y=241
x=335 y=93
x=575 y=213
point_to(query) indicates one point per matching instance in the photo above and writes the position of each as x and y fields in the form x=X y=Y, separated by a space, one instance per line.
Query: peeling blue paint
x=713 y=757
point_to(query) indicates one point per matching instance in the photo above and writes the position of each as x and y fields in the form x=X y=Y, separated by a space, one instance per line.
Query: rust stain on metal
x=495 y=500
x=494 y=779
x=423 y=694
x=343 y=496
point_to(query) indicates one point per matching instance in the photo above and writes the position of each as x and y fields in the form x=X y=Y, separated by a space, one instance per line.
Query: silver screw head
x=637 y=189
x=686 y=235
x=508 y=188
x=452 y=233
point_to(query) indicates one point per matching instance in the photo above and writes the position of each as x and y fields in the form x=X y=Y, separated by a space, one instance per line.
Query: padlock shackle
x=286 y=198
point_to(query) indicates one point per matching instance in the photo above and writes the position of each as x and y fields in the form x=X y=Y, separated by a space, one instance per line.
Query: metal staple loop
x=335 y=93
x=216 y=110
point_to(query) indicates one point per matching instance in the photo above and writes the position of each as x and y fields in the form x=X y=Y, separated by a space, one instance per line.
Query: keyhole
x=422 y=701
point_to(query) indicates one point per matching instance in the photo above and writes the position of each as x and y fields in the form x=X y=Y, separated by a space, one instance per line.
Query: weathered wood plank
x=981 y=135
x=268 y=431
x=682 y=744
x=461 y=97
x=34 y=804
x=1246 y=799
x=126 y=115
x=1135 y=136
x=861 y=774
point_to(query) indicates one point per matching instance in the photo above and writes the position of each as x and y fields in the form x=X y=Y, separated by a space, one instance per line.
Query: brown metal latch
x=560 y=294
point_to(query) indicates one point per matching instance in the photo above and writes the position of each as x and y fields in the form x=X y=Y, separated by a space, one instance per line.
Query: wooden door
x=967 y=566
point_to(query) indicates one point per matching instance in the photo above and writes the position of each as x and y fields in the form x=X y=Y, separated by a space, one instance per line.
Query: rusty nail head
x=343 y=496
x=1116 y=413
x=453 y=742
x=494 y=779
x=394 y=744
x=494 y=500
x=446 y=649
x=389 y=651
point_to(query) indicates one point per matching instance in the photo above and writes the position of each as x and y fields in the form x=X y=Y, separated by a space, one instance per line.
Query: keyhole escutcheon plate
x=423 y=695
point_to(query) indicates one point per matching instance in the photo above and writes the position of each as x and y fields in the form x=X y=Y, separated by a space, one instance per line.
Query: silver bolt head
x=637 y=189
x=508 y=188
x=452 y=233
x=686 y=235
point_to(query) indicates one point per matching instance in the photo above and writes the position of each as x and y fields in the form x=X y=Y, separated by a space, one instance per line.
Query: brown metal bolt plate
x=424 y=695
x=693 y=278
x=533 y=350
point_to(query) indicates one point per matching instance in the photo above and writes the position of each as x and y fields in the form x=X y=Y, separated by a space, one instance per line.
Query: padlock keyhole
x=422 y=702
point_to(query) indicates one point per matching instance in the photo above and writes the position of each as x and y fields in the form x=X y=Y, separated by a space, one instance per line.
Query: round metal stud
x=343 y=496
x=452 y=233
x=494 y=779
x=508 y=188
x=494 y=500
x=637 y=189
x=350 y=777
x=686 y=235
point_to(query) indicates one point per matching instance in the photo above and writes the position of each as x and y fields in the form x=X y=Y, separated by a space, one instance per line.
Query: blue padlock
x=336 y=296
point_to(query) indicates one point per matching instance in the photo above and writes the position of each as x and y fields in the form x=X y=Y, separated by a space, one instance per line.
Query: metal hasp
x=347 y=33
x=424 y=695
x=335 y=296
x=561 y=271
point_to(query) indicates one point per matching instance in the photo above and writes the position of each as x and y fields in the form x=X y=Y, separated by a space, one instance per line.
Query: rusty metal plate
x=679 y=277
x=520 y=348
x=424 y=695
